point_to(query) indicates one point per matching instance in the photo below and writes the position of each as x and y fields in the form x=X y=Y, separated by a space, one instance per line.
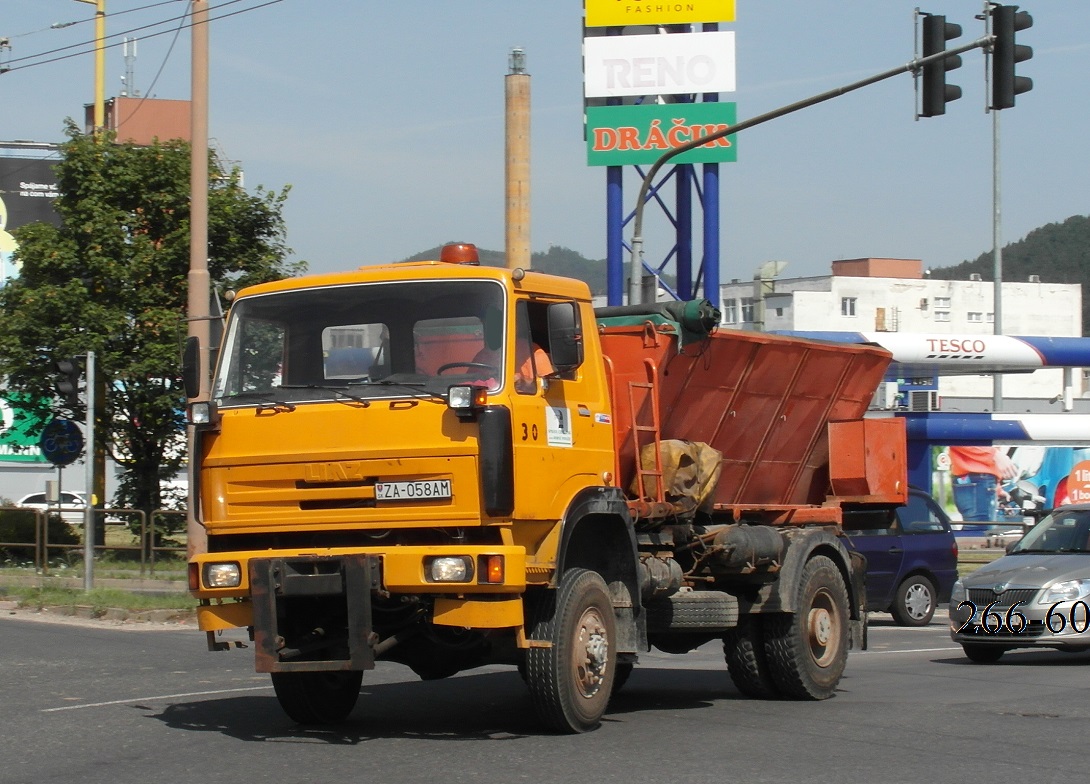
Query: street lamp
x=100 y=63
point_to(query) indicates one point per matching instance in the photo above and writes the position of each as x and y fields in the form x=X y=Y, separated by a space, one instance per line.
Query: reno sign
x=679 y=63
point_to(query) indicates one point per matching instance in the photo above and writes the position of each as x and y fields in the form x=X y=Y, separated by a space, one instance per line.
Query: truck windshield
x=362 y=341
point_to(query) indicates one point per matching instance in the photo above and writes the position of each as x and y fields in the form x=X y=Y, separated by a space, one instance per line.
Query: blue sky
x=387 y=121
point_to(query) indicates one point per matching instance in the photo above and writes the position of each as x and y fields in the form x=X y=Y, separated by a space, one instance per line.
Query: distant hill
x=1057 y=252
x=555 y=261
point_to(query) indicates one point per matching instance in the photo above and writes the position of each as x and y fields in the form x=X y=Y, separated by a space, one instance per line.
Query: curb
x=107 y=614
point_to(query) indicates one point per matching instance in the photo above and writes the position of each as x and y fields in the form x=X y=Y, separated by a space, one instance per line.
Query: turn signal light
x=490 y=568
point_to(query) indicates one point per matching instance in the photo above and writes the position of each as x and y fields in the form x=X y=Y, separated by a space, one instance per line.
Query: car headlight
x=222 y=575
x=958 y=593
x=449 y=569
x=1067 y=591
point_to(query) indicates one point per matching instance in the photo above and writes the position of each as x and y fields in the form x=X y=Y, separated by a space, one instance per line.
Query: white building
x=894 y=295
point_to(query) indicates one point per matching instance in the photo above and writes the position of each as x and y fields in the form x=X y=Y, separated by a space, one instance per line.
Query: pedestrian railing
x=145 y=549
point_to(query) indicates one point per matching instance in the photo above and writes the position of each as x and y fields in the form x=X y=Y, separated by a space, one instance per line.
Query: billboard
x=27 y=189
x=1007 y=484
x=634 y=135
x=606 y=13
x=20 y=431
x=631 y=65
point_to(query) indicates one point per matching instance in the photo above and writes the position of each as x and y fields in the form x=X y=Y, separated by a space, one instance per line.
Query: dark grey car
x=1036 y=596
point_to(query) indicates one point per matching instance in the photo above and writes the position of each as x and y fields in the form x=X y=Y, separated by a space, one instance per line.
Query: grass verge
x=99 y=599
x=971 y=560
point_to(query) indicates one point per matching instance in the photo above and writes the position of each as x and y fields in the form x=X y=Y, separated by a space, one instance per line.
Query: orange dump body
x=766 y=402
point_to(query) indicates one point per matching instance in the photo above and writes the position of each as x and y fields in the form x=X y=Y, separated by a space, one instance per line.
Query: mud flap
x=313 y=613
x=857 y=631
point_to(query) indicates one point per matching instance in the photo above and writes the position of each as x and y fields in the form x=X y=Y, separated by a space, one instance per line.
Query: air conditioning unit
x=885 y=397
x=923 y=400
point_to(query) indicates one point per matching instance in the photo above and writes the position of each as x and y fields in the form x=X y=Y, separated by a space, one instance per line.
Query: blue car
x=912 y=558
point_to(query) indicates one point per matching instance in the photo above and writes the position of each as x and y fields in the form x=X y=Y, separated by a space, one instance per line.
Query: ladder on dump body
x=641 y=429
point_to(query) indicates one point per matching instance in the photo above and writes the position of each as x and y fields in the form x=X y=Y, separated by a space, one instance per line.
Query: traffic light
x=68 y=383
x=936 y=92
x=1006 y=21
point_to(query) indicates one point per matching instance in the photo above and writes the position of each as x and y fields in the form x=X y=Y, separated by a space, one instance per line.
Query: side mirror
x=191 y=367
x=565 y=337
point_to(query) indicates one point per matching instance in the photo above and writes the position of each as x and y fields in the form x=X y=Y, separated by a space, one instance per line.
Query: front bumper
x=472 y=603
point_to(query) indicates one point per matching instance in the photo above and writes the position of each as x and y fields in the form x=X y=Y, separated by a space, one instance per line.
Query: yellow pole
x=100 y=64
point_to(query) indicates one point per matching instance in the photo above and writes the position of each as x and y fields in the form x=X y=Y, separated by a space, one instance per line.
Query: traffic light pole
x=997 y=258
x=89 y=464
x=913 y=66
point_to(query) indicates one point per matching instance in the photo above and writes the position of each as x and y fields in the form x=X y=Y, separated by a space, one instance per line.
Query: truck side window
x=531 y=337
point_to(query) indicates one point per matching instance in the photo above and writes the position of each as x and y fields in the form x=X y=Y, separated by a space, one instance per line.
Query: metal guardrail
x=145 y=543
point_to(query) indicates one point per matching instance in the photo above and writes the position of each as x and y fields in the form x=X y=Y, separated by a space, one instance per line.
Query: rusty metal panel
x=867 y=460
x=764 y=401
x=345 y=583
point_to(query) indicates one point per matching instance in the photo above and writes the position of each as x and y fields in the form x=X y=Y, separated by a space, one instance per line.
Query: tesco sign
x=956 y=346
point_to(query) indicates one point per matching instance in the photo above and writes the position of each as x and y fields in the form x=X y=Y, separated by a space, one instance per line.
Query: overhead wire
x=162 y=65
x=93 y=43
x=62 y=25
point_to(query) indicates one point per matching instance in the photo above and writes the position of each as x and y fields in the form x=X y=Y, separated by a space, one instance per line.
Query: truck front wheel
x=317 y=697
x=808 y=649
x=570 y=681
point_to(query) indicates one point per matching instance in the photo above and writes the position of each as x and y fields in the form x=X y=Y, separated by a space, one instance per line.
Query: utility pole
x=199 y=284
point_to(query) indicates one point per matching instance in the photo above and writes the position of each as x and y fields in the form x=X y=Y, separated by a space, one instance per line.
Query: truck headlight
x=466 y=400
x=222 y=575
x=448 y=569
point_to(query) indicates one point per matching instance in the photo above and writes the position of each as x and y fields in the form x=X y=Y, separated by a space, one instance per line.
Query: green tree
x=112 y=278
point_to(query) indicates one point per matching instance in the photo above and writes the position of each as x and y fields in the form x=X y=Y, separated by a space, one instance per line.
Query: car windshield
x=1060 y=532
x=354 y=342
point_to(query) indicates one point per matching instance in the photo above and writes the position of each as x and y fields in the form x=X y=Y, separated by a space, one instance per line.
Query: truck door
x=560 y=420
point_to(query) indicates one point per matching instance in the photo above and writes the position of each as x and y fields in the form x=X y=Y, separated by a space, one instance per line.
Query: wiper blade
x=266 y=400
x=275 y=405
x=414 y=387
x=326 y=388
x=384 y=382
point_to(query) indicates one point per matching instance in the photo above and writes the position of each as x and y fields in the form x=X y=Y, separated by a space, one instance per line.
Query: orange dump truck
x=446 y=465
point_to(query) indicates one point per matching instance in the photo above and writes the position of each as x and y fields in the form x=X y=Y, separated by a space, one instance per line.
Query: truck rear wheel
x=317 y=697
x=571 y=681
x=747 y=664
x=808 y=649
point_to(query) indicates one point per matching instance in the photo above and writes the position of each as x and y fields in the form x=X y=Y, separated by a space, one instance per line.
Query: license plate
x=423 y=490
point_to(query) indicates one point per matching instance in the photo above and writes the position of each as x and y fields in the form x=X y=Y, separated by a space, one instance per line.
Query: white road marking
x=913 y=650
x=156 y=698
